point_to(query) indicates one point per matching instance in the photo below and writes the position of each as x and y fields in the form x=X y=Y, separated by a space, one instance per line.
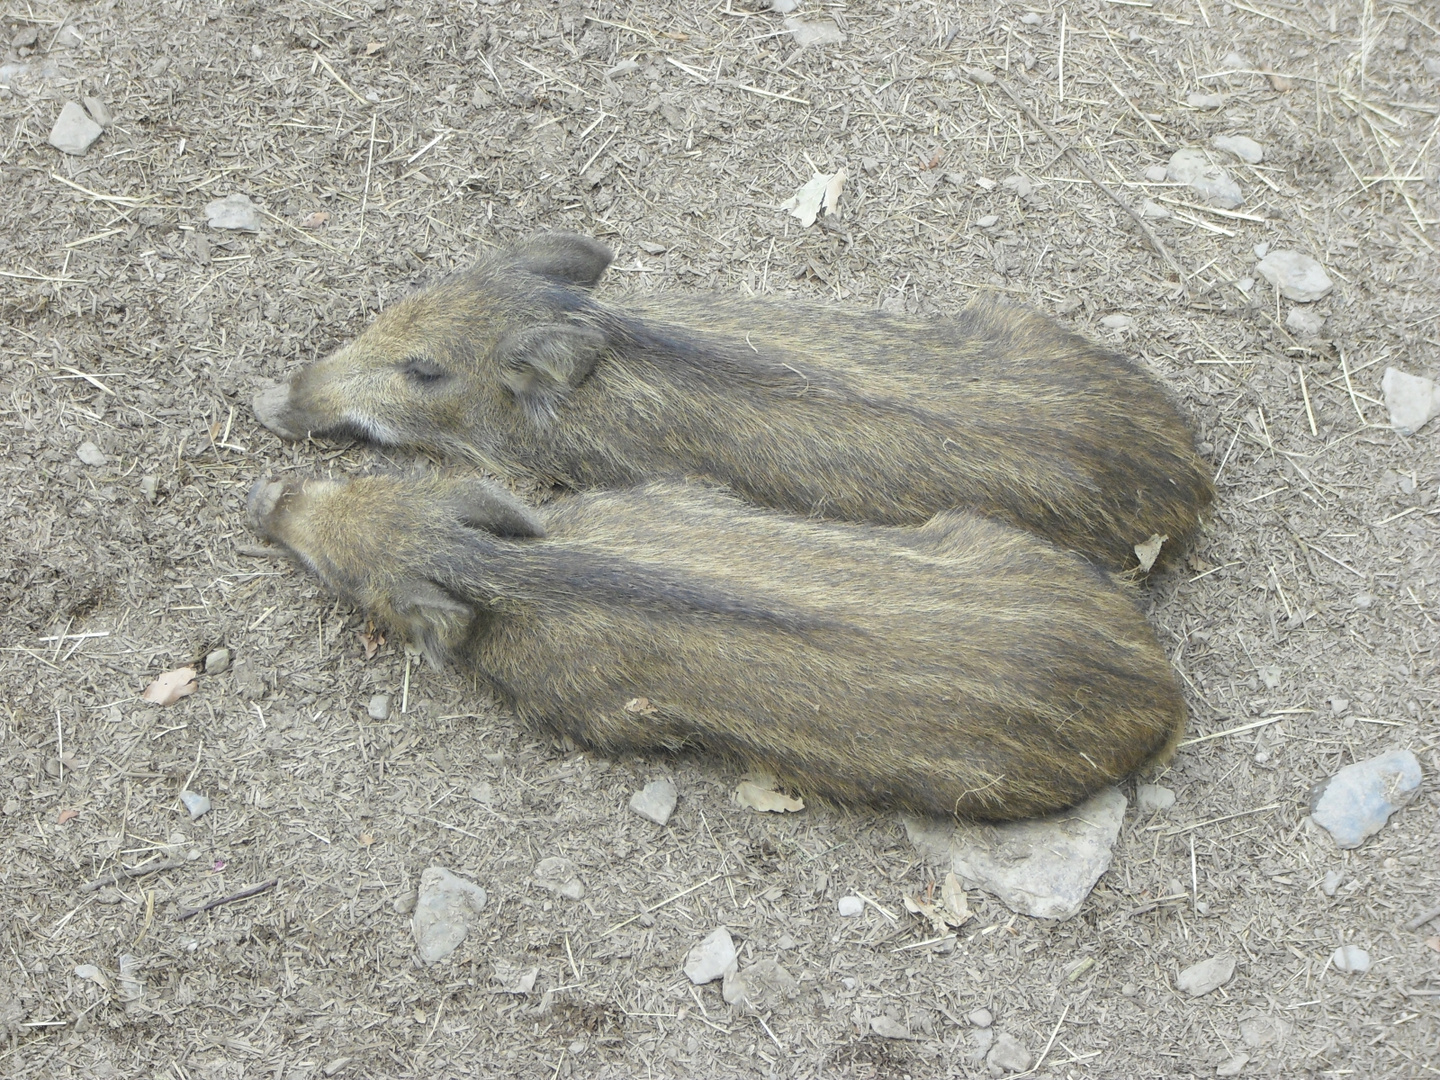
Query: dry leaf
x=171 y=687
x=315 y=220
x=366 y=839
x=952 y=897
x=1282 y=83
x=758 y=793
x=66 y=815
x=374 y=47
x=1149 y=551
x=640 y=706
x=929 y=912
x=820 y=195
x=373 y=640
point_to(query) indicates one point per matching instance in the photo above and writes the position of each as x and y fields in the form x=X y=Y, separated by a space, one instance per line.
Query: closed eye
x=423 y=372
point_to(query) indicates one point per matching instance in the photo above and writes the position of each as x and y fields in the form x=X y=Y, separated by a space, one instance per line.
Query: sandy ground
x=385 y=145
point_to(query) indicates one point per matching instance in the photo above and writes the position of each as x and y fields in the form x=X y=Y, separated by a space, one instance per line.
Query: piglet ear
x=565 y=257
x=489 y=507
x=542 y=364
x=433 y=620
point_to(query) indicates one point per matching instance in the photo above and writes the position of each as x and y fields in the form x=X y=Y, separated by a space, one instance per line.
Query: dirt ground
x=386 y=143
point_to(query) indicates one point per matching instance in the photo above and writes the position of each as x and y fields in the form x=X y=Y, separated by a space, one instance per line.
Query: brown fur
x=849 y=415
x=962 y=667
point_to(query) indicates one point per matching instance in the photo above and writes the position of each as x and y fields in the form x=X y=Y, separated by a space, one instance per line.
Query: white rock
x=1150 y=798
x=379 y=707
x=1413 y=400
x=1044 y=867
x=1007 y=1056
x=1199 y=979
x=987 y=221
x=1351 y=959
x=74 y=132
x=1118 y=322
x=69 y=38
x=1234 y=1067
x=1261 y=249
x=1354 y=804
x=1151 y=209
x=984 y=183
x=712 y=958
x=981 y=1018
x=1156 y=174
x=1296 y=275
x=483 y=793
x=445 y=909
x=1305 y=321
x=1191 y=166
x=1244 y=148
x=233 y=212
x=1019 y=185
x=1236 y=61
x=196 y=803
x=217 y=661
x=816 y=31
x=1198 y=99
x=762 y=985
x=784 y=7
x=1330 y=883
x=1245 y=284
x=655 y=802
x=91 y=454
x=888 y=1028
x=558 y=874
x=849 y=906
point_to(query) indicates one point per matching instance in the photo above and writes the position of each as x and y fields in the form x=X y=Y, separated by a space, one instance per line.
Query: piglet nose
x=270 y=407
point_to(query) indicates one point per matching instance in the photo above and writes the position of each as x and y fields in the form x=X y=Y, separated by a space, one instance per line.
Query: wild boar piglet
x=825 y=411
x=962 y=667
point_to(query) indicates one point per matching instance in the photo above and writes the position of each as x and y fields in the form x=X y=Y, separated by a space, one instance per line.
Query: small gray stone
x=98 y=110
x=197 y=804
x=149 y=487
x=379 y=707
x=233 y=212
x=1019 y=185
x=1191 y=166
x=483 y=793
x=1330 y=883
x=1351 y=959
x=1198 y=99
x=1354 y=804
x=1151 y=798
x=1305 y=321
x=1261 y=1031
x=809 y=33
x=981 y=1039
x=712 y=958
x=1044 y=867
x=1199 y=979
x=981 y=1018
x=445 y=909
x=1118 y=322
x=849 y=906
x=74 y=132
x=888 y=1028
x=1244 y=148
x=1234 y=1067
x=762 y=985
x=1007 y=1056
x=784 y=943
x=68 y=38
x=987 y=221
x=1296 y=275
x=217 y=661
x=655 y=802
x=1412 y=400
x=91 y=454
x=1236 y=61
x=1153 y=210
x=558 y=874
x=1156 y=174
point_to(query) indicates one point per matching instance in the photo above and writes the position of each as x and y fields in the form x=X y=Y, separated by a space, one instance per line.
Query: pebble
x=150 y=488
x=1413 y=400
x=1261 y=1031
x=1019 y=185
x=1043 y=868
x=1157 y=174
x=217 y=661
x=445 y=909
x=982 y=1039
x=99 y=111
x=984 y=183
x=1234 y=1067
x=379 y=707
x=197 y=804
x=655 y=802
x=1192 y=167
x=712 y=958
x=1199 y=979
x=1355 y=803
x=849 y=906
x=233 y=212
x=1305 y=321
x=90 y=454
x=1151 y=798
x=1244 y=148
x=988 y=221
x=1351 y=959
x=981 y=1018
x=483 y=793
x=558 y=874
x=1245 y=284
x=1153 y=210
x=69 y=38
x=1198 y=99
x=1330 y=883
x=1296 y=275
x=762 y=985
x=1236 y=61
x=1007 y=1056
x=784 y=943
x=1118 y=322
x=888 y=1028
x=811 y=32
x=74 y=132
